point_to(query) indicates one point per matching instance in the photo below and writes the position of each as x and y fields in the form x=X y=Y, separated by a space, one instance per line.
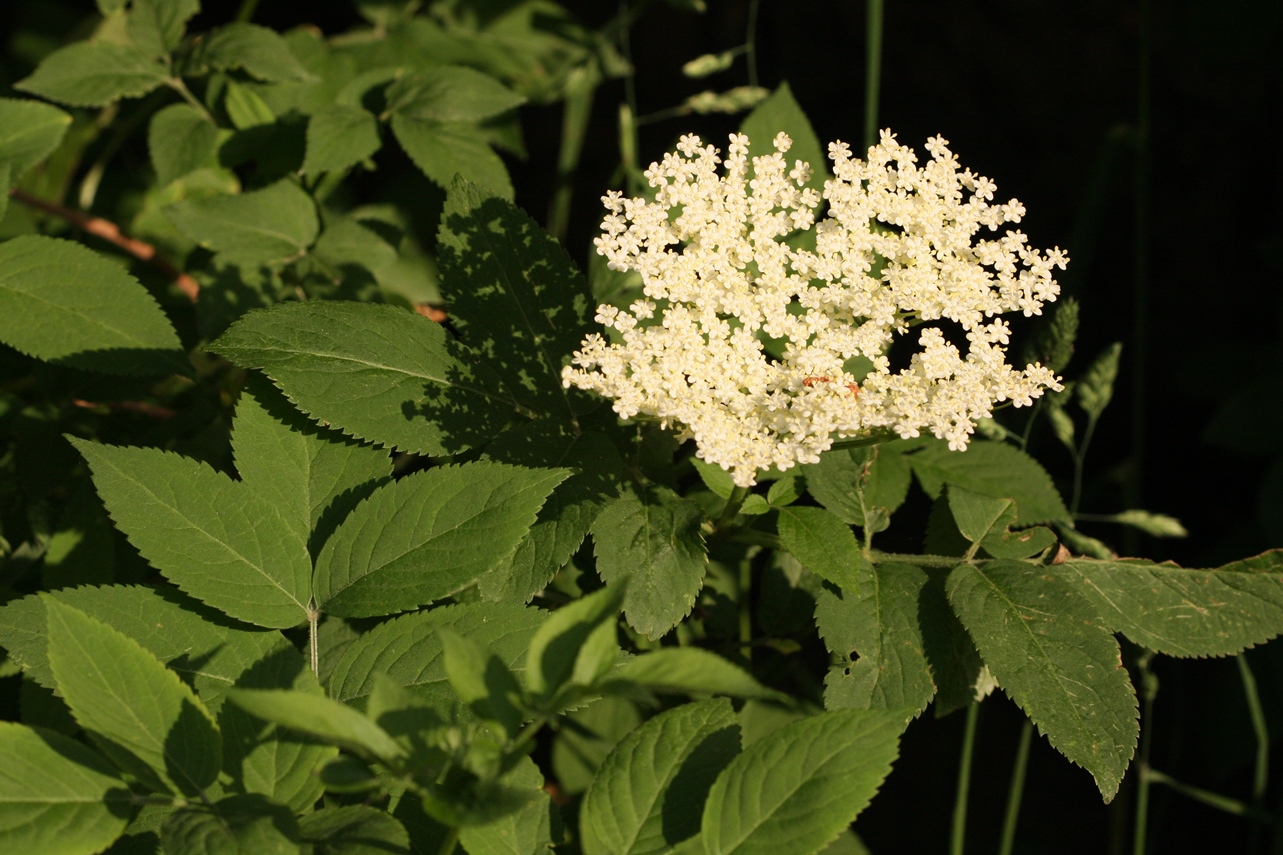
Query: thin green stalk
x=1261 y=773
x=313 y=644
x=1139 y=343
x=959 y=834
x=1209 y=798
x=746 y=607
x=1080 y=457
x=574 y=127
x=177 y=84
x=1144 y=774
x=872 y=70
x=1016 y=792
x=246 y=12
x=448 y=845
x=750 y=41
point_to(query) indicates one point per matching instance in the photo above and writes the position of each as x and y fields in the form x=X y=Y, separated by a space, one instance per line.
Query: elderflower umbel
x=896 y=249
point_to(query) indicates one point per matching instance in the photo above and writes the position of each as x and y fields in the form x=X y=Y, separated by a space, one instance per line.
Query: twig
x=110 y=232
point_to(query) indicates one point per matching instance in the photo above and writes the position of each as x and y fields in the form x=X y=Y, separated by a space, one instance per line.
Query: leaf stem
x=1261 y=773
x=177 y=84
x=872 y=70
x=1207 y=797
x=450 y=842
x=313 y=644
x=750 y=41
x=959 y=833
x=1016 y=791
x=1148 y=690
x=574 y=125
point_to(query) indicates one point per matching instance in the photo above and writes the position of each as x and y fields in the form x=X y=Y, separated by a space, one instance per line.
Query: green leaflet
x=353 y=829
x=57 y=797
x=62 y=302
x=272 y=226
x=408 y=650
x=692 y=671
x=1047 y=649
x=219 y=540
x=135 y=709
x=781 y=112
x=1183 y=612
x=29 y=132
x=576 y=646
x=321 y=717
x=650 y=791
x=823 y=543
x=653 y=539
x=443 y=151
x=257 y=50
x=338 y=137
x=879 y=629
x=180 y=139
x=514 y=295
x=526 y=831
x=93 y=74
x=427 y=536
x=797 y=788
x=992 y=469
x=846 y=480
x=450 y=93
x=237 y=825
x=376 y=372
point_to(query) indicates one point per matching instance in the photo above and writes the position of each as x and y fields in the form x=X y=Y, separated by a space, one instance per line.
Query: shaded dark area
x=1176 y=247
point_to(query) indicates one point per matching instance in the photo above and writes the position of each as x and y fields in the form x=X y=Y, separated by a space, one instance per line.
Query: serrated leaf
x=93 y=74
x=823 y=543
x=408 y=649
x=237 y=825
x=978 y=516
x=57 y=797
x=166 y=18
x=879 y=628
x=271 y=226
x=992 y=469
x=1182 y=612
x=339 y=136
x=846 y=481
x=1049 y=652
x=715 y=478
x=427 y=536
x=450 y=93
x=353 y=830
x=320 y=717
x=62 y=302
x=781 y=112
x=216 y=539
x=374 y=371
x=796 y=789
x=526 y=831
x=654 y=540
x=207 y=649
x=514 y=294
x=443 y=151
x=259 y=51
x=692 y=671
x=650 y=791
x=136 y=710
x=29 y=132
x=1095 y=388
x=313 y=476
x=246 y=108
x=557 y=649
x=180 y=140
x=482 y=681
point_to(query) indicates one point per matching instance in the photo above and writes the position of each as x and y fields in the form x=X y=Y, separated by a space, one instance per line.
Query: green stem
x=1080 y=457
x=176 y=83
x=750 y=41
x=313 y=644
x=1209 y=798
x=574 y=127
x=448 y=845
x=1261 y=775
x=1140 y=288
x=959 y=834
x=872 y=70
x=1148 y=690
x=733 y=504
x=745 y=607
x=246 y=11
x=1016 y=791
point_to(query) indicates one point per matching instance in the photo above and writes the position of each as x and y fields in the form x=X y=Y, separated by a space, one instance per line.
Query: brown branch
x=111 y=233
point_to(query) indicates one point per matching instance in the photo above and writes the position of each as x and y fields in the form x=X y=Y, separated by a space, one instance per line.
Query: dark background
x=1176 y=247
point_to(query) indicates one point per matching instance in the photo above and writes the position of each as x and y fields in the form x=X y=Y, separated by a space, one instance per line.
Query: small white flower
x=897 y=248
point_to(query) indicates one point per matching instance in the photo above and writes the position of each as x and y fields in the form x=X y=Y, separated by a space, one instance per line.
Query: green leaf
x=566 y=518
x=93 y=74
x=649 y=793
x=428 y=536
x=715 y=478
x=878 y=635
x=450 y=93
x=237 y=825
x=338 y=137
x=567 y=647
x=846 y=481
x=314 y=477
x=29 y=132
x=353 y=830
x=57 y=797
x=181 y=139
x=408 y=649
x=62 y=302
x=781 y=112
x=992 y=469
x=443 y=151
x=320 y=717
x=216 y=539
x=978 y=516
x=1046 y=647
x=201 y=645
x=376 y=372
x=259 y=51
x=514 y=295
x=796 y=789
x=1053 y=343
x=272 y=226
x=482 y=681
x=134 y=708
x=1096 y=387
x=654 y=540
x=587 y=736
x=526 y=831
x=1182 y=612
x=822 y=542
x=246 y=108
x=167 y=19
x=692 y=671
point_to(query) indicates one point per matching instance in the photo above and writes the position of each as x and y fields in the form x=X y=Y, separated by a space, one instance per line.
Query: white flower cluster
x=896 y=249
